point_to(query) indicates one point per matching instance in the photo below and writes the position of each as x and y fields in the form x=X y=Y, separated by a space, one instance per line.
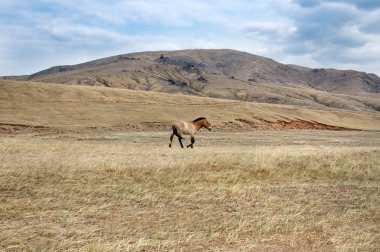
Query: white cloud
x=269 y=30
x=43 y=33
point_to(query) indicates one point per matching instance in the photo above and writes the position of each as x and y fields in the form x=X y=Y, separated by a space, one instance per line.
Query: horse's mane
x=199 y=118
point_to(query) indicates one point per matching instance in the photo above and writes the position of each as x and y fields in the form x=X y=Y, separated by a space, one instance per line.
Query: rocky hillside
x=224 y=74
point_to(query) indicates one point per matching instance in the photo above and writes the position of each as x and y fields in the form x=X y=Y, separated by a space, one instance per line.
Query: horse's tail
x=175 y=131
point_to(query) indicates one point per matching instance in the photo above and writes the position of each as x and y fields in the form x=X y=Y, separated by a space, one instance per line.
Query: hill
x=51 y=107
x=225 y=74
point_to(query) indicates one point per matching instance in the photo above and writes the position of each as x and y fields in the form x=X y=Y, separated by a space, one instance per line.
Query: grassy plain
x=81 y=170
x=262 y=190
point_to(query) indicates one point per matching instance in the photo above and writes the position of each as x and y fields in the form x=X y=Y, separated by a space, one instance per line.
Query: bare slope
x=224 y=74
x=62 y=107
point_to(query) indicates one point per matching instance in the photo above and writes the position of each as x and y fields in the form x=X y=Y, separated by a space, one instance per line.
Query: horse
x=188 y=128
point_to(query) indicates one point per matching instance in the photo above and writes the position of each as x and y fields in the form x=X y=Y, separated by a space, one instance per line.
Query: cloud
x=43 y=33
x=330 y=33
x=268 y=30
x=361 y=4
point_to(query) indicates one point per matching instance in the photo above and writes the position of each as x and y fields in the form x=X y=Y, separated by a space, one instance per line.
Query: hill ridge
x=223 y=73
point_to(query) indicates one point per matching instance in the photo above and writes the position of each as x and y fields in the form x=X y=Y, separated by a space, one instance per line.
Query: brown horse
x=188 y=128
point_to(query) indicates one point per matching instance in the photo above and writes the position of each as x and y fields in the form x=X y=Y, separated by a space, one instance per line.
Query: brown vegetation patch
x=14 y=127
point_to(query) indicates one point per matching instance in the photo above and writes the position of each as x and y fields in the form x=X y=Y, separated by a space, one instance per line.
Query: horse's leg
x=171 y=139
x=192 y=142
x=180 y=140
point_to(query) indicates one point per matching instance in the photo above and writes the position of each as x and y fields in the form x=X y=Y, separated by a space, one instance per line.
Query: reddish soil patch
x=289 y=124
x=12 y=128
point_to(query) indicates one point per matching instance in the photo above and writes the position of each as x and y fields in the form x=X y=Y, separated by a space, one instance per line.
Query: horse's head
x=207 y=124
x=202 y=122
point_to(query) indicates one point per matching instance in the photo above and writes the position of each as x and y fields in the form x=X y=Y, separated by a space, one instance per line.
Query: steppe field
x=73 y=178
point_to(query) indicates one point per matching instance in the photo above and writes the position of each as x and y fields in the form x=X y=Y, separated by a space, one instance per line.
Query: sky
x=38 y=34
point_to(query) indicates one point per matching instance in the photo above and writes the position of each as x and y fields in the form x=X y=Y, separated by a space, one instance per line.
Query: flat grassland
x=261 y=190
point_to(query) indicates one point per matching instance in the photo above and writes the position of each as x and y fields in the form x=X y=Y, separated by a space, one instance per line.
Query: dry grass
x=65 y=106
x=299 y=190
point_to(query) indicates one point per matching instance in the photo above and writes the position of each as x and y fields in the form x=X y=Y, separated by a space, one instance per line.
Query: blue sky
x=338 y=34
